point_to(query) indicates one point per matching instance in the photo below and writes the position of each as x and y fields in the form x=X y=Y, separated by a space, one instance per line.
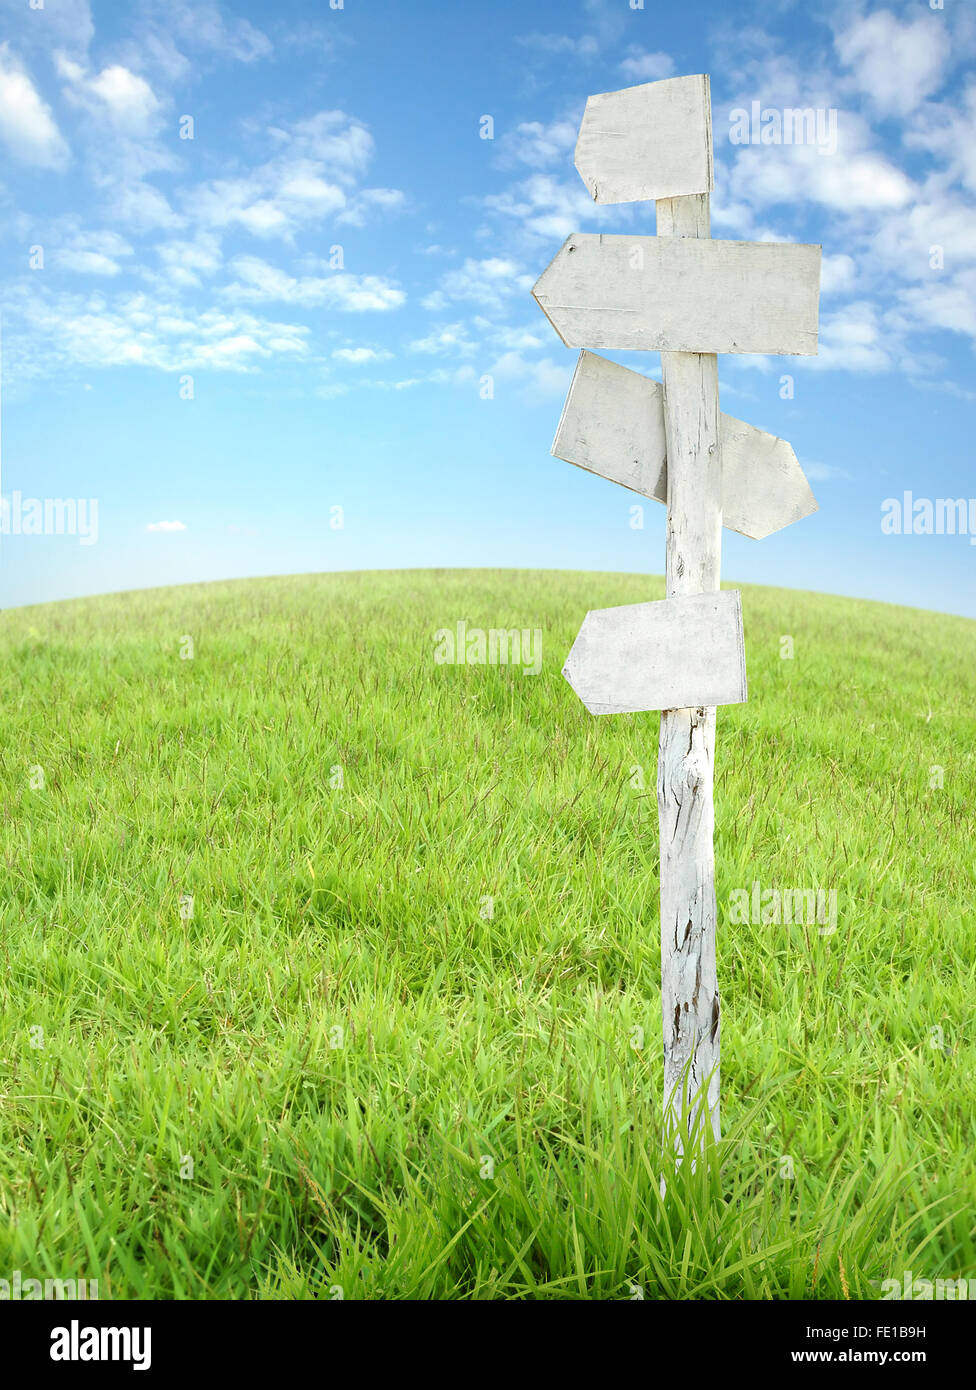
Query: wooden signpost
x=688 y=297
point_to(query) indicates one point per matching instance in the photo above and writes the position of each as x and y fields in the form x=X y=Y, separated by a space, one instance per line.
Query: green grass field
x=349 y=1071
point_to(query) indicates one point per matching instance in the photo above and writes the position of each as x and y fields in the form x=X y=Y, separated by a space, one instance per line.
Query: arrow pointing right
x=613 y=425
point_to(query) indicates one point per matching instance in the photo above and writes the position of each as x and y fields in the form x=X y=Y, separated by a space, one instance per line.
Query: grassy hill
x=405 y=1040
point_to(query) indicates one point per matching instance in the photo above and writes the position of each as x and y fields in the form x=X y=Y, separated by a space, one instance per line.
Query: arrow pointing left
x=682 y=294
x=680 y=653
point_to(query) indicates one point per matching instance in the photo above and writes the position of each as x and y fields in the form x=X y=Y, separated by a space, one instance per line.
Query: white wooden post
x=686 y=758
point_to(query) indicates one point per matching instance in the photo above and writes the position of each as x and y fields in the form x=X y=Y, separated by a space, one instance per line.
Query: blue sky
x=337 y=259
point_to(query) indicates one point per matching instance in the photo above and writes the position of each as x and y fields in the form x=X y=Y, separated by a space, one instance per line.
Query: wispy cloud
x=641 y=66
x=488 y=281
x=896 y=64
x=586 y=46
x=258 y=281
x=825 y=473
x=27 y=126
x=360 y=356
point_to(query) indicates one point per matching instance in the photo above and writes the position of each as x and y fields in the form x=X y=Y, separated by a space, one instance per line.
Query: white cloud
x=824 y=472
x=540 y=379
x=854 y=339
x=587 y=46
x=243 y=202
x=200 y=24
x=312 y=176
x=947 y=131
x=114 y=94
x=359 y=356
x=27 y=127
x=455 y=340
x=360 y=205
x=950 y=306
x=142 y=206
x=166 y=527
x=302 y=184
x=538 y=144
x=143 y=330
x=785 y=174
x=523 y=339
x=231 y=350
x=65 y=24
x=87 y=262
x=93 y=253
x=905 y=241
x=488 y=282
x=548 y=208
x=333 y=139
x=642 y=66
x=122 y=132
x=896 y=64
x=186 y=263
x=452 y=338
x=259 y=281
x=837 y=273
x=438 y=376
x=128 y=97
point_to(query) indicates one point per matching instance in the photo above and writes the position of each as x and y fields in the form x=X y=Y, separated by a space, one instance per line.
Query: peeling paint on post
x=686 y=755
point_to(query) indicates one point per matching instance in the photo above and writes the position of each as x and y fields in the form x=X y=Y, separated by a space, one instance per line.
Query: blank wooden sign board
x=688 y=297
x=682 y=295
x=653 y=141
x=613 y=425
x=665 y=655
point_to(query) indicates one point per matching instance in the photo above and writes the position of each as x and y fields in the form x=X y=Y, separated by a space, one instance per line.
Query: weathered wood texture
x=651 y=141
x=676 y=294
x=658 y=656
x=613 y=424
x=686 y=756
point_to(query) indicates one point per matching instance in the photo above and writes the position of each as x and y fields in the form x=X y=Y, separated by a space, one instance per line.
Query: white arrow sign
x=682 y=294
x=674 y=654
x=613 y=425
x=653 y=141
